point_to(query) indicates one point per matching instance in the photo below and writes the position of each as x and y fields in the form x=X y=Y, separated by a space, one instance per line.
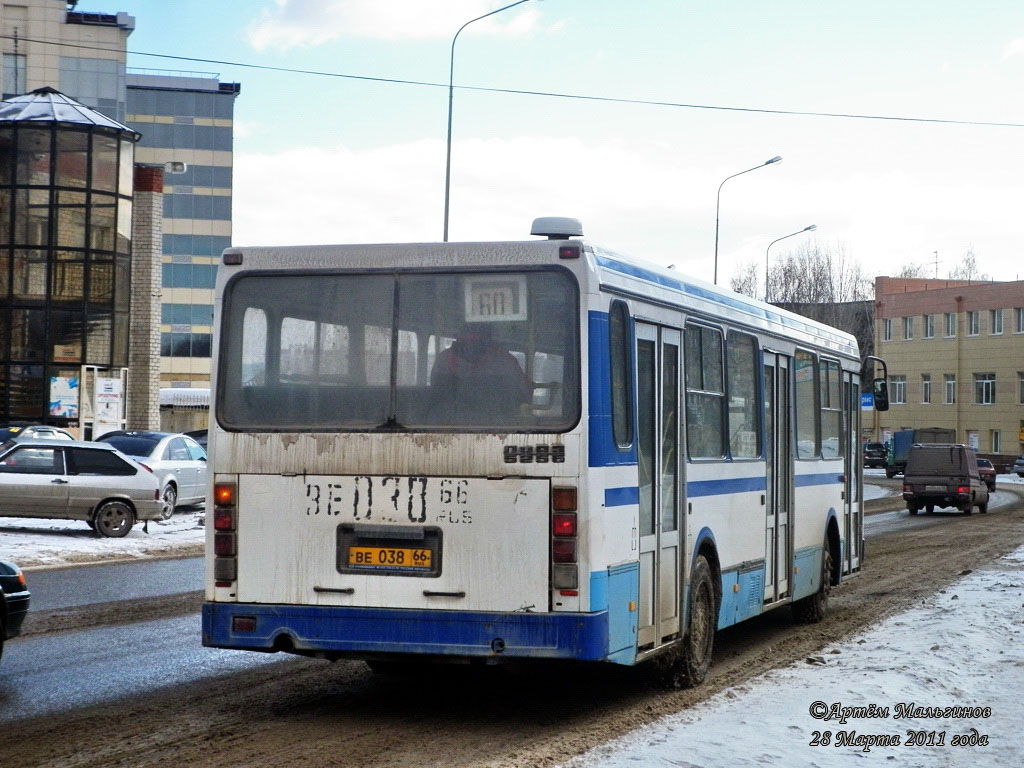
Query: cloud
x=309 y=23
x=638 y=197
x=396 y=193
x=1014 y=48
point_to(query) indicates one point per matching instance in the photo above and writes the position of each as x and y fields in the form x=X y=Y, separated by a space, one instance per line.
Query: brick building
x=955 y=352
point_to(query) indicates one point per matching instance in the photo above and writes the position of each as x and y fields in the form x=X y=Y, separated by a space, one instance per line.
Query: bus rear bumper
x=372 y=632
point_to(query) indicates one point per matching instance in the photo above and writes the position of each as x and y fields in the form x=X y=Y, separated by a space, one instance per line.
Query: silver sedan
x=178 y=461
x=77 y=480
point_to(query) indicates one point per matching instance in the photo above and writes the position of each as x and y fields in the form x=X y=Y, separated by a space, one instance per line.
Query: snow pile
x=963 y=649
x=33 y=542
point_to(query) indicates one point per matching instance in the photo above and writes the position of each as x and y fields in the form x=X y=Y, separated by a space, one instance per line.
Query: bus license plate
x=390 y=558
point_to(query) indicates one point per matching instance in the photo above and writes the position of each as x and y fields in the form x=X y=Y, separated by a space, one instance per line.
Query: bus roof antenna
x=557 y=227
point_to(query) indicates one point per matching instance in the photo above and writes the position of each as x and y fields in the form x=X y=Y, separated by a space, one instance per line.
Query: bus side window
x=807 y=414
x=619 y=355
x=705 y=392
x=744 y=409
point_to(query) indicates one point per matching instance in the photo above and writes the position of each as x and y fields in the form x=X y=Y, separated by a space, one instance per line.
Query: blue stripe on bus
x=721 y=487
x=828 y=478
x=603 y=450
x=621 y=497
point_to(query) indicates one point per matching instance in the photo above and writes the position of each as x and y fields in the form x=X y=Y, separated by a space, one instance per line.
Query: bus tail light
x=563 y=550
x=563 y=499
x=225 y=540
x=224 y=518
x=224 y=544
x=564 y=541
x=564 y=524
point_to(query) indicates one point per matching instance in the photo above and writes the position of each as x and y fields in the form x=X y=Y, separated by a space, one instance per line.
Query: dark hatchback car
x=875 y=455
x=988 y=473
x=14 y=598
x=943 y=475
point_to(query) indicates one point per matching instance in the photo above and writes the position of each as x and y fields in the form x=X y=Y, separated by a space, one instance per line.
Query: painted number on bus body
x=389 y=499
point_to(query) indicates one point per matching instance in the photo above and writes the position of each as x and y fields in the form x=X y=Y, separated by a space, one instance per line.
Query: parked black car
x=943 y=475
x=14 y=599
x=875 y=454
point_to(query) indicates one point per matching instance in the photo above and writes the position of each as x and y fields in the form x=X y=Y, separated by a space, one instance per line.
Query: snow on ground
x=31 y=542
x=877 y=491
x=963 y=647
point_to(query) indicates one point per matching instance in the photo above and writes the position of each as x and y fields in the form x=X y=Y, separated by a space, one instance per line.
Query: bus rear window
x=494 y=351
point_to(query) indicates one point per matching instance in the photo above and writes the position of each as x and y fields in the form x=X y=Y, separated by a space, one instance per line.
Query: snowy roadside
x=43 y=543
x=962 y=648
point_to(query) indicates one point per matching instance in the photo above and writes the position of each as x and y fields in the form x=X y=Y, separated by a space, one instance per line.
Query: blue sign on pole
x=867 y=401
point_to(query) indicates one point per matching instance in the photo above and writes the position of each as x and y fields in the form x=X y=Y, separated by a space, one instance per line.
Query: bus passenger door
x=658 y=369
x=778 y=556
x=854 y=469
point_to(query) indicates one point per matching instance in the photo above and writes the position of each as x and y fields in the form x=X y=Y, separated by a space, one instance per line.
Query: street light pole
x=451 y=95
x=718 y=200
x=810 y=228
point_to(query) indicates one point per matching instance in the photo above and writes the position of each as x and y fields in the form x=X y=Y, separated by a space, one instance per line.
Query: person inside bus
x=476 y=380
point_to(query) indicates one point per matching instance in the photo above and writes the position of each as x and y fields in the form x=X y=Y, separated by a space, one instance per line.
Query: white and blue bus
x=518 y=450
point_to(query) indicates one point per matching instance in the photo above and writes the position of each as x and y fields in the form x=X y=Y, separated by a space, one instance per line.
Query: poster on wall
x=64 y=396
x=108 y=406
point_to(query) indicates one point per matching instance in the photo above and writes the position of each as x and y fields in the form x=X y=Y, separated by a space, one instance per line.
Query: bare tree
x=912 y=270
x=745 y=280
x=968 y=269
x=815 y=274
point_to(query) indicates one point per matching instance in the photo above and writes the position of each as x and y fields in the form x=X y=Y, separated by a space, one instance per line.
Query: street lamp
x=718 y=200
x=451 y=95
x=810 y=228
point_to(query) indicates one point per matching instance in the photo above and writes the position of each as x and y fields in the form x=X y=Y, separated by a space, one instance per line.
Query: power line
x=548 y=94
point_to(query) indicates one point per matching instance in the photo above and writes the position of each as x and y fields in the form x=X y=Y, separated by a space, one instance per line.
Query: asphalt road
x=86 y=585
x=57 y=672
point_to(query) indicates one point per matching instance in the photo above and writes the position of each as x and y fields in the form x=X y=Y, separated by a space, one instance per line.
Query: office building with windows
x=184 y=118
x=187 y=118
x=955 y=353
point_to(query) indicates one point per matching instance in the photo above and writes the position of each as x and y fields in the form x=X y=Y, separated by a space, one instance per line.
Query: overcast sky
x=326 y=159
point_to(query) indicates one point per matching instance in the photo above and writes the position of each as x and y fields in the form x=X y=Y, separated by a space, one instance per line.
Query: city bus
x=490 y=452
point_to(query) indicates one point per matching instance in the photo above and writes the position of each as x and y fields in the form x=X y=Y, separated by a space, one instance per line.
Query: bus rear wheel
x=691 y=664
x=812 y=609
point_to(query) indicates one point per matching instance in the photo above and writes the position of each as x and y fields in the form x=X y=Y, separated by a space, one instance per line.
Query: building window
x=997 y=442
x=950 y=325
x=995 y=324
x=887 y=329
x=898 y=390
x=14 y=73
x=973 y=323
x=929 y=326
x=926 y=387
x=985 y=388
x=1020 y=387
x=908 y=328
x=950 y=388
x=1018 y=315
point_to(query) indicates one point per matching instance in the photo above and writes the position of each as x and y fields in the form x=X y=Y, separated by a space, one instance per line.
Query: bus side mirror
x=880 y=389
